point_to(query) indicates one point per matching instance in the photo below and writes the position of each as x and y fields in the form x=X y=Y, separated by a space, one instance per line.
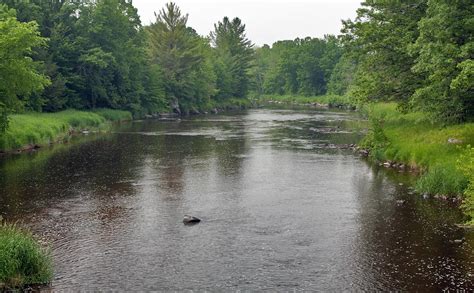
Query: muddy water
x=284 y=206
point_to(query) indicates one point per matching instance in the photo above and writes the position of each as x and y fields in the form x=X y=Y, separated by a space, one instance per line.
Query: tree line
x=417 y=53
x=86 y=54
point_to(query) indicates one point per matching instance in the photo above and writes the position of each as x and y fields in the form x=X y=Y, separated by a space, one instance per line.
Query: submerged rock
x=190 y=220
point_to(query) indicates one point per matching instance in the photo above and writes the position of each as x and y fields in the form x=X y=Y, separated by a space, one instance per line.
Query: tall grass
x=22 y=260
x=114 y=115
x=45 y=128
x=329 y=100
x=413 y=139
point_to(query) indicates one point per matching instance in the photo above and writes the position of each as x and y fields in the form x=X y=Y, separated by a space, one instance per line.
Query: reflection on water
x=284 y=206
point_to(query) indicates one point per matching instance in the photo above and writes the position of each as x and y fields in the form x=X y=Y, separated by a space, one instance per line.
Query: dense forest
x=61 y=54
x=96 y=54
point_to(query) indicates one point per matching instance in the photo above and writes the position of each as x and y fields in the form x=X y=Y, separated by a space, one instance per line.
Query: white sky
x=266 y=21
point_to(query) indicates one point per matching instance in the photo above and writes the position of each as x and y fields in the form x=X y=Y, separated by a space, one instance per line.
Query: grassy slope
x=44 y=128
x=413 y=139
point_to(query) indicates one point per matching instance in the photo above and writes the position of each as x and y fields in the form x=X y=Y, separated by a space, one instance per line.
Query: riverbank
x=442 y=154
x=32 y=130
x=326 y=101
x=22 y=260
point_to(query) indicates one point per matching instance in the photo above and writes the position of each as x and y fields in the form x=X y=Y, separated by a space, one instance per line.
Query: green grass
x=22 y=260
x=45 y=128
x=328 y=100
x=412 y=139
x=114 y=115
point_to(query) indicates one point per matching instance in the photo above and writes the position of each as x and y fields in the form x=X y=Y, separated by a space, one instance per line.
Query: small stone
x=190 y=220
x=458 y=241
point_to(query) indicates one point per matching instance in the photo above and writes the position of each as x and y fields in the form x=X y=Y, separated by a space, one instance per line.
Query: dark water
x=284 y=207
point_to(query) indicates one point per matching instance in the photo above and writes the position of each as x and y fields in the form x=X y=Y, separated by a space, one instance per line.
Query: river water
x=284 y=206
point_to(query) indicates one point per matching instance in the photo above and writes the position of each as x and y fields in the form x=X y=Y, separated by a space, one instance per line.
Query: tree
x=379 y=39
x=445 y=49
x=181 y=54
x=19 y=75
x=233 y=58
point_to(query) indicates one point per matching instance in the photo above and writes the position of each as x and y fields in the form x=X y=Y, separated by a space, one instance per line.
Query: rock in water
x=190 y=220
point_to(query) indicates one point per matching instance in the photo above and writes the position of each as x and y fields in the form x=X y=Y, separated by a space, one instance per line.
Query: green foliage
x=19 y=75
x=300 y=67
x=379 y=40
x=375 y=140
x=181 y=55
x=466 y=165
x=342 y=77
x=22 y=260
x=233 y=55
x=445 y=49
x=417 y=53
x=95 y=58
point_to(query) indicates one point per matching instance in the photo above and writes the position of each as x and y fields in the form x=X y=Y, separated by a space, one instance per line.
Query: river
x=284 y=206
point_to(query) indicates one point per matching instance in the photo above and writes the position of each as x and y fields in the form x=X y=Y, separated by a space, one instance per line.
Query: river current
x=285 y=205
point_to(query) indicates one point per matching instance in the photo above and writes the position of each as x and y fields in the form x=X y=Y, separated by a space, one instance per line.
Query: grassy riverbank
x=442 y=153
x=332 y=101
x=22 y=260
x=45 y=128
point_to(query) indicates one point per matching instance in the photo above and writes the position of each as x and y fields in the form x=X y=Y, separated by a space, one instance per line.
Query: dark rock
x=190 y=220
x=364 y=153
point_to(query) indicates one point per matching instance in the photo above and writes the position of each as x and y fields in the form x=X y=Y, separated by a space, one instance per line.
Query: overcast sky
x=266 y=21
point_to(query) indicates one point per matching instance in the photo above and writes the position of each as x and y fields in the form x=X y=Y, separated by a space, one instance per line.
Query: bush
x=22 y=260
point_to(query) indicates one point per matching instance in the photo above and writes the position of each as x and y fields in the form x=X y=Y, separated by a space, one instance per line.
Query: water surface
x=284 y=206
